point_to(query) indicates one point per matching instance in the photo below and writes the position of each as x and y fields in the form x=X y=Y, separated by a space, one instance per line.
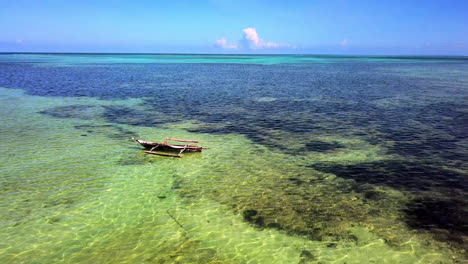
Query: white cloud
x=253 y=41
x=250 y=40
x=222 y=43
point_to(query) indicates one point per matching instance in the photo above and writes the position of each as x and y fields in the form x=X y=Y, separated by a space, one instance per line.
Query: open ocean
x=310 y=159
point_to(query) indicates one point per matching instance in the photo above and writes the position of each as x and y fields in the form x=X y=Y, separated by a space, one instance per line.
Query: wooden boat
x=165 y=146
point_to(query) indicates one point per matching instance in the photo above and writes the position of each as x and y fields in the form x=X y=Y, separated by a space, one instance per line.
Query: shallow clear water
x=310 y=159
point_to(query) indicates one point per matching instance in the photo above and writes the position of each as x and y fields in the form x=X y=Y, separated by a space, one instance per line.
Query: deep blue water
x=328 y=96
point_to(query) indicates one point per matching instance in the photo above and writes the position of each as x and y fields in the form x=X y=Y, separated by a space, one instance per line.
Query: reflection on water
x=309 y=159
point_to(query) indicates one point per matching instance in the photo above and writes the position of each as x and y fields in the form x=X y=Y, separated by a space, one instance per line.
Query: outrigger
x=165 y=146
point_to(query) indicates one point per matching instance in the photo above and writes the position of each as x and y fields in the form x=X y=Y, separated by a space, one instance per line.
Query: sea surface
x=308 y=159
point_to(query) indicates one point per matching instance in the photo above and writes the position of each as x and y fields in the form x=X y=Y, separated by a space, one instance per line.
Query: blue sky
x=434 y=27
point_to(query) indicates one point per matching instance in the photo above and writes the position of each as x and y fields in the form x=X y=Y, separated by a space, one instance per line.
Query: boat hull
x=168 y=147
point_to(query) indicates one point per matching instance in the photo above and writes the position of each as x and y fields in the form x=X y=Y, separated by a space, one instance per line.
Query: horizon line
x=235 y=54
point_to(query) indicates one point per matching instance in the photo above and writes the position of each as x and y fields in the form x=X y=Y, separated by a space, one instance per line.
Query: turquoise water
x=309 y=159
x=74 y=59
